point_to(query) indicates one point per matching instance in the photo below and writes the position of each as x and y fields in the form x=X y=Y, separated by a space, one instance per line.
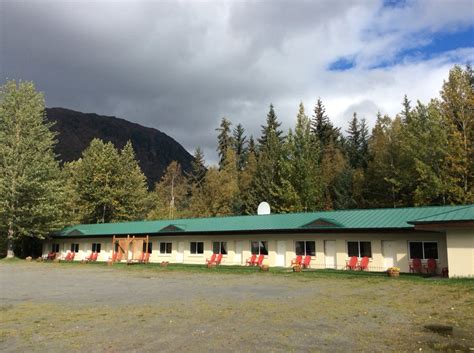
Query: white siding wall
x=232 y=258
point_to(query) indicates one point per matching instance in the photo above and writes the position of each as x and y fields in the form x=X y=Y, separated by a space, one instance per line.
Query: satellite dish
x=263 y=208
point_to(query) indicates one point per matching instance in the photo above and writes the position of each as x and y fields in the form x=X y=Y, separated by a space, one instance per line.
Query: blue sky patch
x=394 y=3
x=342 y=64
x=435 y=44
x=443 y=42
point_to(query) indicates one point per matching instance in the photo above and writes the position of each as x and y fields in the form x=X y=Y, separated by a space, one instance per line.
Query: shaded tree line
x=422 y=156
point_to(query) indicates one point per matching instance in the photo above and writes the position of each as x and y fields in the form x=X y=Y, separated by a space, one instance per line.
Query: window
x=74 y=247
x=259 y=247
x=55 y=248
x=359 y=248
x=423 y=249
x=219 y=247
x=306 y=248
x=165 y=248
x=149 y=247
x=96 y=247
x=197 y=247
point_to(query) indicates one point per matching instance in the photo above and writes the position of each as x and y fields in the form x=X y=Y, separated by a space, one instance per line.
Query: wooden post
x=146 y=247
x=133 y=248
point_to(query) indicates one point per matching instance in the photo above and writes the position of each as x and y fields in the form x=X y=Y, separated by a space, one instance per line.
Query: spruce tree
x=322 y=127
x=406 y=112
x=96 y=181
x=240 y=146
x=217 y=196
x=198 y=168
x=131 y=187
x=30 y=190
x=305 y=172
x=457 y=104
x=354 y=143
x=384 y=180
x=272 y=125
x=247 y=196
x=224 y=140
x=364 y=143
x=252 y=148
x=268 y=181
x=110 y=184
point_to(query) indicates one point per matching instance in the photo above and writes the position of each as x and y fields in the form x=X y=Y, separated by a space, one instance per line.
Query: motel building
x=388 y=237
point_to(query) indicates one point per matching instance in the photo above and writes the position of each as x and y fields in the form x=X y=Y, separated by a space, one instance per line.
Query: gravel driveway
x=47 y=307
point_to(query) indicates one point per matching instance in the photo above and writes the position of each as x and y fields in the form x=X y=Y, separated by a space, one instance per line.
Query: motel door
x=239 y=247
x=388 y=250
x=180 y=254
x=281 y=250
x=330 y=253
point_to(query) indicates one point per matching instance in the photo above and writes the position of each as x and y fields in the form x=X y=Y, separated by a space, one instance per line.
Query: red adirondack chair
x=211 y=260
x=251 y=260
x=297 y=261
x=415 y=266
x=260 y=260
x=90 y=257
x=51 y=256
x=352 y=263
x=431 y=266
x=218 y=259
x=68 y=256
x=364 y=264
x=95 y=256
x=306 y=261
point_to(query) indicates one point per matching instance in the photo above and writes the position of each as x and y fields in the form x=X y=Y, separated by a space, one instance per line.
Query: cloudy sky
x=180 y=66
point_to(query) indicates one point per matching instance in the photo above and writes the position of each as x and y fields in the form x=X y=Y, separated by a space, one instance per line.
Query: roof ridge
x=442 y=213
x=174 y=221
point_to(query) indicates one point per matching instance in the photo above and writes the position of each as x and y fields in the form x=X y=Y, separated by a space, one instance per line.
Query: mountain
x=154 y=149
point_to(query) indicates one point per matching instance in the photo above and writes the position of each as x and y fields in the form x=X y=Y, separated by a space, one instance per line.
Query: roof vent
x=172 y=228
x=75 y=232
x=323 y=223
x=263 y=208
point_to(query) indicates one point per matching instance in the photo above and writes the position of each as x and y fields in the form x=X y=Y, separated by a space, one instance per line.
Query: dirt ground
x=47 y=307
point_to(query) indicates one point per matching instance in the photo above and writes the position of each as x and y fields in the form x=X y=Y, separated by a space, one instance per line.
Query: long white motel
x=388 y=237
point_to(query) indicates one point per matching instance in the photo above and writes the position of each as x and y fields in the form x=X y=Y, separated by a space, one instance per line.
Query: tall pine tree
x=30 y=190
x=240 y=146
x=224 y=140
x=305 y=172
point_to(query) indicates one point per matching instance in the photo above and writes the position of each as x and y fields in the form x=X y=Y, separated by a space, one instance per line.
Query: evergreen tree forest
x=424 y=155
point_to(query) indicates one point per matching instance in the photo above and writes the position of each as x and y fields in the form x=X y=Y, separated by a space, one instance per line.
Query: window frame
x=150 y=247
x=358 y=248
x=55 y=247
x=196 y=253
x=305 y=253
x=423 y=248
x=259 y=243
x=220 y=247
x=166 y=243
x=94 y=247
x=74 y=247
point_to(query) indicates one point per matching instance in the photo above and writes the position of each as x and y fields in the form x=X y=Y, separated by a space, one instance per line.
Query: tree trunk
x=10 y=253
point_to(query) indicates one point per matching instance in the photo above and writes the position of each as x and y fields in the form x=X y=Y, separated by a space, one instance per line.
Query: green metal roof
x=460 y=214
x=344 y=220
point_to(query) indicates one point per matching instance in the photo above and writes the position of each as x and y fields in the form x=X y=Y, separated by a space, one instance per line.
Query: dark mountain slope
x=154 y=149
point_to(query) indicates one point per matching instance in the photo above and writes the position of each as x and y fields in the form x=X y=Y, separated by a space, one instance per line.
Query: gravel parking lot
x=49 y=307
